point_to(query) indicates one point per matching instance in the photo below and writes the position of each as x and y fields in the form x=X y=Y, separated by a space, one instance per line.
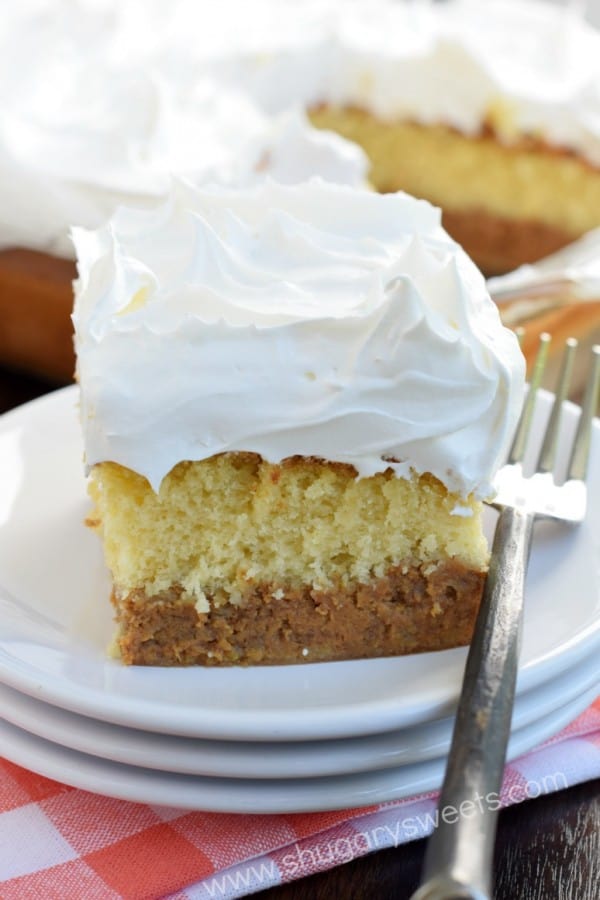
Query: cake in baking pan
x=490 y=111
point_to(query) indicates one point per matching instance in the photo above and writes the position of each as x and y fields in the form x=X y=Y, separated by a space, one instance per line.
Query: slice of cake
x=293 y=400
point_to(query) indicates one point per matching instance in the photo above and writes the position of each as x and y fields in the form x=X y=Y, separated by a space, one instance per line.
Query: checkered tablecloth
x=61 y=843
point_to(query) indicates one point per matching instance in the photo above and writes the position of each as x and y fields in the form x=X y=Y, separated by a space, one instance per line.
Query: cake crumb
x=278 y=594
x=465 y=512
x=501 y=117
x=202 y=605
x=113 y=651
x=305 y=652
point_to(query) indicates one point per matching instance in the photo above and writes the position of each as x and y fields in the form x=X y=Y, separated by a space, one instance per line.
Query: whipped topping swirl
x=317 y=320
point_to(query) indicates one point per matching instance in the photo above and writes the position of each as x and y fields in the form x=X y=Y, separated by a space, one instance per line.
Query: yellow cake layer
x=458 y=172
x=234 y=520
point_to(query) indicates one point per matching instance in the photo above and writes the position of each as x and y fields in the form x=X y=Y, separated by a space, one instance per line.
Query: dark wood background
x=547 y=849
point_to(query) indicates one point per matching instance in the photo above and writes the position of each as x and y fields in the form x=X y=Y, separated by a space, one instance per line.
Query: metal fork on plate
x=458 y=861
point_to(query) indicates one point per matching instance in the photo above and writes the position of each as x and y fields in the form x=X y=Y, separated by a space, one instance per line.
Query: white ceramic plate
x=302 y=759
x=55 y=618
x=237 y=795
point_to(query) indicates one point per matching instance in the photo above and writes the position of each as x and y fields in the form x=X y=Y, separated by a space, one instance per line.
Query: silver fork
x=458 y=861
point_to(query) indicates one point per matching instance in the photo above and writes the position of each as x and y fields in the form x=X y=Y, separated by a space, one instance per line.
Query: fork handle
x=458 y=861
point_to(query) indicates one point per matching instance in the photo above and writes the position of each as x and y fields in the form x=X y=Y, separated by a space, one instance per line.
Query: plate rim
x=428 y=775
x=36 y=719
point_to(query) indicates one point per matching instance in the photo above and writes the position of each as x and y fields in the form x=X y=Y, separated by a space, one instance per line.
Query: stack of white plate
x=262 y=739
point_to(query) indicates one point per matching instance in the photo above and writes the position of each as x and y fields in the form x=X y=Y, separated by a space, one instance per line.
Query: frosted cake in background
x=501 y=102
x=293 y=400
x=490 y=111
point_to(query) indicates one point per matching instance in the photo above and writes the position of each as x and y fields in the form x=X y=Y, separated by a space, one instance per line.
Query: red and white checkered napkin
x=61 y=843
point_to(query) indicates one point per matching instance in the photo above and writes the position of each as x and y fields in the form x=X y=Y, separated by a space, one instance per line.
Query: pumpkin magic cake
x=294 y=399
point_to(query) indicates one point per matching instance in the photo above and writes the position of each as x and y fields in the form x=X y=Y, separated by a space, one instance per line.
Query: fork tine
x=520 y=441
x=581 y=445
x=547 y=455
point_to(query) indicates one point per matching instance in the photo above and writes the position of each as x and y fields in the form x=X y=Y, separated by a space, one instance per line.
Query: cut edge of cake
x=336 y=567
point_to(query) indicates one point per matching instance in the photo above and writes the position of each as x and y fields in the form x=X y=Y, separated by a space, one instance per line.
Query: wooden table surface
x=547 y=849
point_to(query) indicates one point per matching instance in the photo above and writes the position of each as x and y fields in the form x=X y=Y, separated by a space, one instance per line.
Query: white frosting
x=316 y=320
